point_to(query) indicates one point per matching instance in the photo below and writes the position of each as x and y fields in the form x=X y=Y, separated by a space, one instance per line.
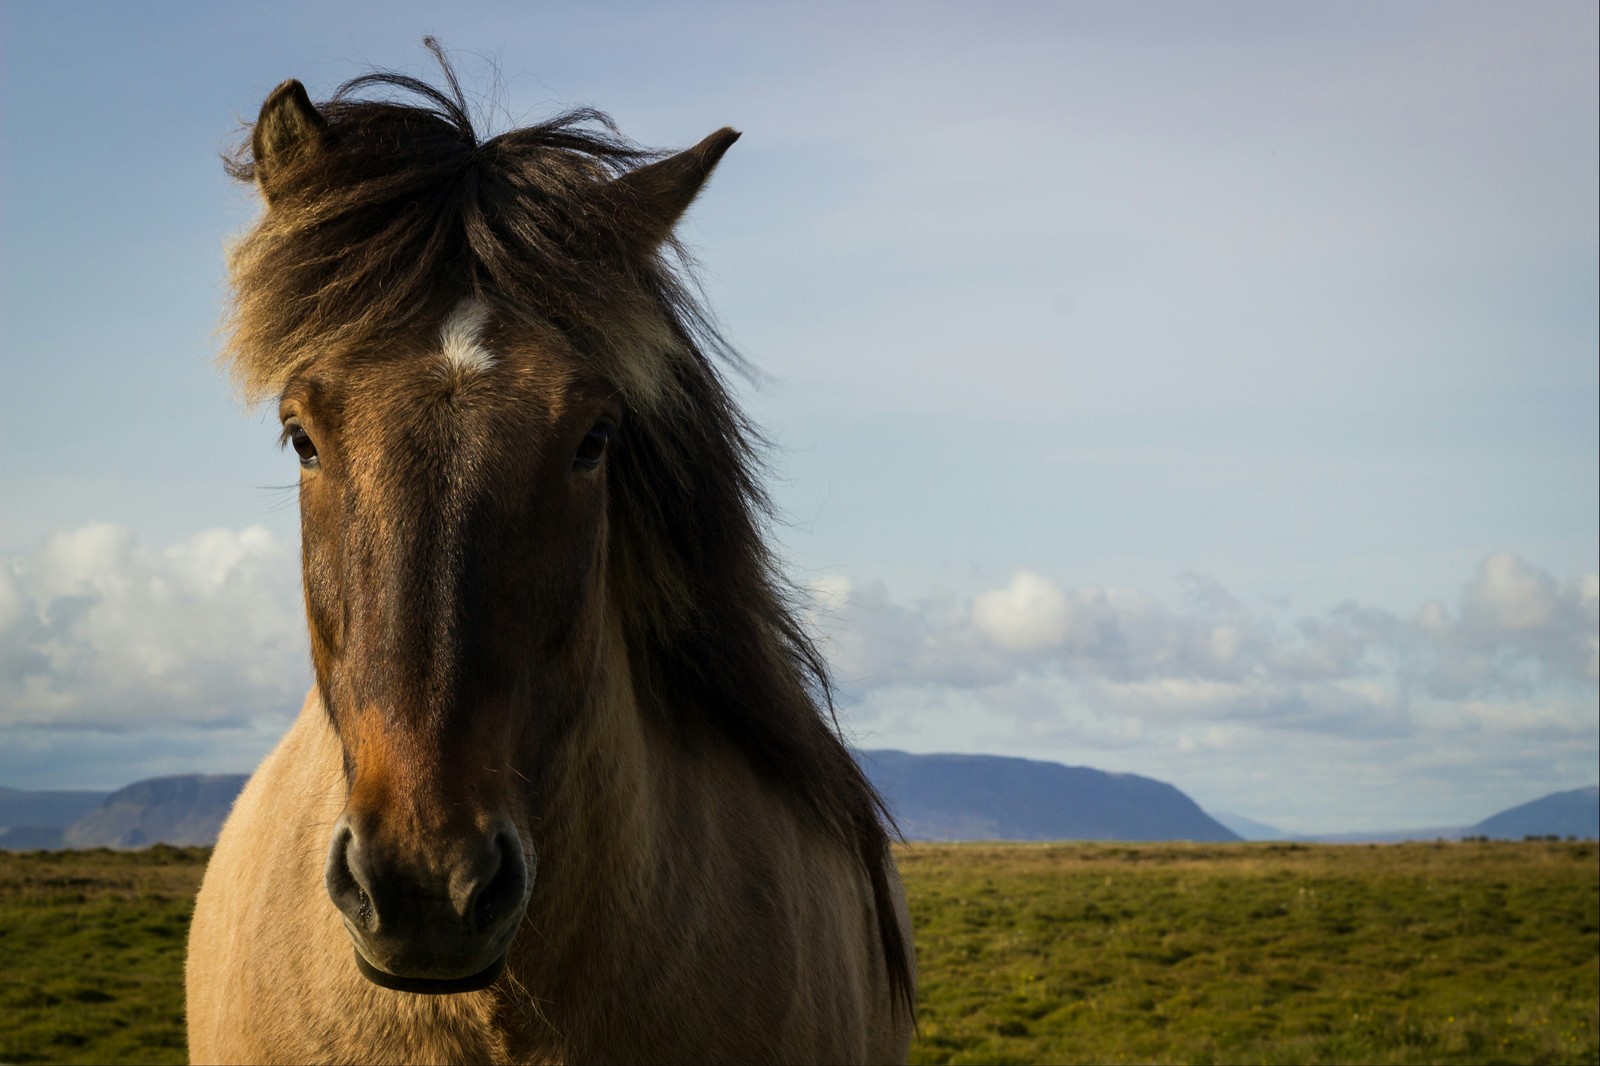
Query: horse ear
x=662 y=191
x=289 y=125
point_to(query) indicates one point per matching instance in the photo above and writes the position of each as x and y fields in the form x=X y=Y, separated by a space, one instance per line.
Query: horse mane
x=376 y=239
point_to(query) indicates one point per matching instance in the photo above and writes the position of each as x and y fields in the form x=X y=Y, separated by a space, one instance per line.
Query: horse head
x=455 y=414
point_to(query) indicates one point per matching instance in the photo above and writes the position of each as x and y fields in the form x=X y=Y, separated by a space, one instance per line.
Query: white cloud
x=1517 y=625
x=1520 y=647
x=12 y=604
x=99 y=631
x=1028 y=615
x=1352 y=718
x=1509 y=596
x=193 y=657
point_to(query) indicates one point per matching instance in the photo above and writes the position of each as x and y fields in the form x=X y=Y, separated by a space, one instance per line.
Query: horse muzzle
x=435 y=924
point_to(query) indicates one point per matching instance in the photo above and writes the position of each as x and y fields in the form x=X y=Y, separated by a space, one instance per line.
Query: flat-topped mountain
x=934 y=797
x=185 y=809
x=991 y=797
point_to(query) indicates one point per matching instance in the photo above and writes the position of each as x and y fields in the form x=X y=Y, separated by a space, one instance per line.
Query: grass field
x=91 y=954
x=1468 y=952
x=1481 y=952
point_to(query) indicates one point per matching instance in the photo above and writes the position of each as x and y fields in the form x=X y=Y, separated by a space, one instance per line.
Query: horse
x=568 y=785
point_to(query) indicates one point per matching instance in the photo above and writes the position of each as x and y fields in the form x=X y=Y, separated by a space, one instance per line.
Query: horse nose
x=419 y=921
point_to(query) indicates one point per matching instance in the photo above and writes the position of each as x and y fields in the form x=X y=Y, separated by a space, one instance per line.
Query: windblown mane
x=369 y=244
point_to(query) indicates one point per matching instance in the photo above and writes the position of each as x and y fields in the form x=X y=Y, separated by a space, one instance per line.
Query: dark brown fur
x=388 y=213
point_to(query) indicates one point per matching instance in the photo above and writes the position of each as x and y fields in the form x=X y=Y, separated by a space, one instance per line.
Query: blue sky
x=1200 y=391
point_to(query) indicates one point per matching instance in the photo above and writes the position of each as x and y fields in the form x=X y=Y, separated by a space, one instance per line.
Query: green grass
x=1267 y=953
x=91 y=954
x=1473 y=952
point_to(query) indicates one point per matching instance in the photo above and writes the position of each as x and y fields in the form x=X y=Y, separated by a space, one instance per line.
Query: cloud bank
x=99 y=632
x=1515 y=631
x=1354 y=717
x=120 y=659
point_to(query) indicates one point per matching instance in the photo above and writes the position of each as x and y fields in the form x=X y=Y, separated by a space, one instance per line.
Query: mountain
x=1564 y=814
x=36 y=820
x=1384 y=836
x=57 y=809
x=185 y=809
x=1575 y=814
x=990 y=797
x=933 y=797
x=1249 y=828
x=31 y=838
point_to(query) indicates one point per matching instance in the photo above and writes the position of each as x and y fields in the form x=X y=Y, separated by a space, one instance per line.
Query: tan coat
x=564 y=701
x=708 y=941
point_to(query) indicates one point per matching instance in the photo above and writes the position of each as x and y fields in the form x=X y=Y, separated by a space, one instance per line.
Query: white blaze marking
x=459 y=337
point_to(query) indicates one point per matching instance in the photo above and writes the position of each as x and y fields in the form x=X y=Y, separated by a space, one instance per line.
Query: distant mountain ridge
x=1572 y=813
x=993 y=797
x=933 y=797
x=45 y=809
x=1249 y=828
x=1575 y=813
x=183 y=809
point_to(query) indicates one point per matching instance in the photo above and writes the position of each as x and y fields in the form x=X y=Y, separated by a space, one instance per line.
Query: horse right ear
x=289 y=125
x=661 y=192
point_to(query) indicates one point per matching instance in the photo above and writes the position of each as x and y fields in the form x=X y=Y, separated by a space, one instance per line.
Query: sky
x=1204 y=391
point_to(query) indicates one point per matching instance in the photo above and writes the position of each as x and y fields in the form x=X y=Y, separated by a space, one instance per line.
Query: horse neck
x=625 y=799
x=595 y=823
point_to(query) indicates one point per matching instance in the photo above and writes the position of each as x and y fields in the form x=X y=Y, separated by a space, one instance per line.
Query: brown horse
x=567 y=786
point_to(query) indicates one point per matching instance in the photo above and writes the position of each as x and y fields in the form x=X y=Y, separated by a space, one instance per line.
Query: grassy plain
x=91 y=953
x=1425 y=953
x=1471 y=952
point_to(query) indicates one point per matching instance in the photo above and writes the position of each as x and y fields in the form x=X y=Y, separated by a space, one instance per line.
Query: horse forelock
x=405 y=214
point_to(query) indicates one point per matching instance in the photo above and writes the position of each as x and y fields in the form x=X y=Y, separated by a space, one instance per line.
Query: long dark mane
x=376 y=239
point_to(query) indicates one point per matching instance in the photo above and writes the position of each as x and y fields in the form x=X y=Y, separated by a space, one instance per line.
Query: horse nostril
x=483 y=911
x=344 y=885
x=501 y=896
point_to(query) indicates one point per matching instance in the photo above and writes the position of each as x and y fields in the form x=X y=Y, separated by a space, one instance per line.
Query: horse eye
x=594 y=445
x=303 y=447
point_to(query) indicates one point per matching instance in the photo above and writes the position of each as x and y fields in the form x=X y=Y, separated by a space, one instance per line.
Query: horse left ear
x=288 y=126
x=662 y=191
